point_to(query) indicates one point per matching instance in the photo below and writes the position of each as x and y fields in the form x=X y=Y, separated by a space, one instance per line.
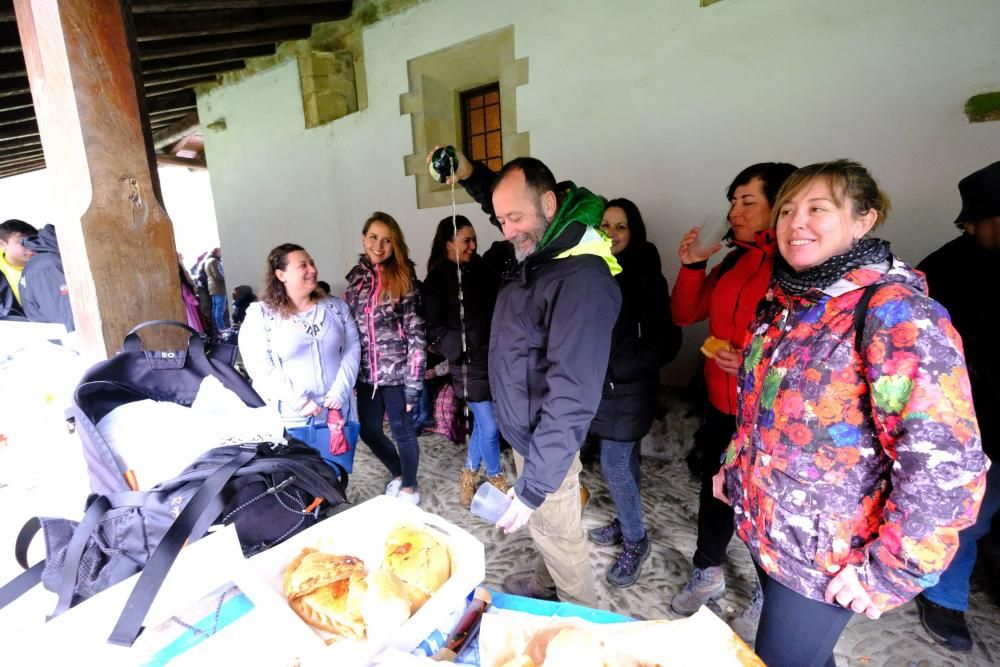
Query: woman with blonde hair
x=382 y=293
x=857 y=458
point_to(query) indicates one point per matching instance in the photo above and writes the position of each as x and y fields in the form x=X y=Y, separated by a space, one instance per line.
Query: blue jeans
x=952 y=589
x=484 y=443
x=620 y=465
x=219 y=311
x=371 y=412
x=423 y=411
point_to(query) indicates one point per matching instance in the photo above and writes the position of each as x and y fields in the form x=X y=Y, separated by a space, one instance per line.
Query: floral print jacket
x=836 y=460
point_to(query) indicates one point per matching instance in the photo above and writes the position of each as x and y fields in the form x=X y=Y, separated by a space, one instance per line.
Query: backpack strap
x=194 y=520
x=860 y=315
x=27 y=580
x=74 y=552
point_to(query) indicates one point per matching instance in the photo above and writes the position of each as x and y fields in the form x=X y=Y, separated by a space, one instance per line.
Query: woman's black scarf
x=864 y=252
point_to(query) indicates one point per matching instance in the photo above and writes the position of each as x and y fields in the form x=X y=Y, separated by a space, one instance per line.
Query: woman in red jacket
x=727 y=296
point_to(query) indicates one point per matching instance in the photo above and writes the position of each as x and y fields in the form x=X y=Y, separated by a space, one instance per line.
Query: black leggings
x=795 y=631
x=715 y=518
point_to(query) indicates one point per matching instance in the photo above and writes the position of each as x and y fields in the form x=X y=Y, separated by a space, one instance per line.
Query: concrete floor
x=41 y=472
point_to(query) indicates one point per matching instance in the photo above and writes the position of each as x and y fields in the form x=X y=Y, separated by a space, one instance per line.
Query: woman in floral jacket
x=850 y=473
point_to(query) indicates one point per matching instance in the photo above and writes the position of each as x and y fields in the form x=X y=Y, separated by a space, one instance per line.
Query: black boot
x=946 y=626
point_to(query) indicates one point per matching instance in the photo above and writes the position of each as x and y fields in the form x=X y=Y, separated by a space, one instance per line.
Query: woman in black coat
x=643 y=340
x=452 y=252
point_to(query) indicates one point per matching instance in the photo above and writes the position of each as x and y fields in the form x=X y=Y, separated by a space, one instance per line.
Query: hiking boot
x=625 y=570
x=745 y=625
x=946 y=626
x=467 y=485
x=499 y=481
x=524 y=585
x=584 y=496
x=703 y=586
x=607 y=535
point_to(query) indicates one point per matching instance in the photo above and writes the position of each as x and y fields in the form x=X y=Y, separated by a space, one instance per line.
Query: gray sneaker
x=745 y=624
x=704 y=585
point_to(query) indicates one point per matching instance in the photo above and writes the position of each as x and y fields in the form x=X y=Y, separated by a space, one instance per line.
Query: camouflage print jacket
x=393 y=342
x=836 y=460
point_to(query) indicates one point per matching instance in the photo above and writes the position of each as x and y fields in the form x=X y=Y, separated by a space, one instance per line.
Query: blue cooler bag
x=316 y=434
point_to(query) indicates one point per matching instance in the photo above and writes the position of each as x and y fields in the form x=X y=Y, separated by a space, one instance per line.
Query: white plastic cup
x=489 y=503
x=711 y=232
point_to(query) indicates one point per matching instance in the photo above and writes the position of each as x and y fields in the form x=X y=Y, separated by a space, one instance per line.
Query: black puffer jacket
x=644 y=339
x=548 y=356
x=549 y=344
x=440 y=292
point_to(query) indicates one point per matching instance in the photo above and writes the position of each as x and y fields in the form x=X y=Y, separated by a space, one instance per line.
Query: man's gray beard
x=521 y=255
x=537 y=233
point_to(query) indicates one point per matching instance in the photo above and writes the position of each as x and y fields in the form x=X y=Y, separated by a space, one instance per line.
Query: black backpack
x=269 y=491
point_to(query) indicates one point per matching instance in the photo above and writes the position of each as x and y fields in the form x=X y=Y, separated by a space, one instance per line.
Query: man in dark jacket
x=13 y=257
x=549 y=345
x=962 y=275
x=44 y=293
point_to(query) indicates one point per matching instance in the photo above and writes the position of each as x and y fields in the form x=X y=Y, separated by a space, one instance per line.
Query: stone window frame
x=432 y=102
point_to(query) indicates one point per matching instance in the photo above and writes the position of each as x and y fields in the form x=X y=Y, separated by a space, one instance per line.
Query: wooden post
x=116 y=241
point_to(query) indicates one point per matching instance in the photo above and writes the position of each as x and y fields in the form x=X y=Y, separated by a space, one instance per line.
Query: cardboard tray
x=361 y=531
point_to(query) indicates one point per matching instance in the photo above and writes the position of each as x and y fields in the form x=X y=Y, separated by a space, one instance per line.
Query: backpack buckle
x=281 y=485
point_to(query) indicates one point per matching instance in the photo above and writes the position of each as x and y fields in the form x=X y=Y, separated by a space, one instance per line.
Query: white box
x=362 y=531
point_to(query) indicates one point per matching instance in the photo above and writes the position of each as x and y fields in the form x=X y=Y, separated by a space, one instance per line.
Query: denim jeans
x=620 y=465
x=423 y=411
x=219 y=311
x=484 y=443
x=372 y=407
x=795 y=631
x=952 y=589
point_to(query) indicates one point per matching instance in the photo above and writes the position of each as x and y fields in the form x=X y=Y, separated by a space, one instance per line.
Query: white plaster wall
x=187 y=197
x=662 y=102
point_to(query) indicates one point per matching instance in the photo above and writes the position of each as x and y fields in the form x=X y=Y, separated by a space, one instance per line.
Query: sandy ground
x=42 y=472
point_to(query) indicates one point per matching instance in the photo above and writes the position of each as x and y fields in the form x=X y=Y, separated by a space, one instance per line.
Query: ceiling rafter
x=181 y=44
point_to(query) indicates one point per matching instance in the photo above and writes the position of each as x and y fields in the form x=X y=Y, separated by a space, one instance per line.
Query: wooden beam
x=32 y=156
x=179 y=63
x=176 y=87
x=16 y=101
x=116 y=241
x=12 y=65
x=175 y=131
x=14 y=147
x=171 y=114
x=150 y=27
x=192 y=72
x=19 y=130
x=10 y=42
x=8 y=116
x=166 y=6
x=180 y=161
x=22 y=168
x=168 y=48
x=16 y=86
x=182 y=99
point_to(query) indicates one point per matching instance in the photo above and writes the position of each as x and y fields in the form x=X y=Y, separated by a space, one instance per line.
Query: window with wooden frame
x=481 y=138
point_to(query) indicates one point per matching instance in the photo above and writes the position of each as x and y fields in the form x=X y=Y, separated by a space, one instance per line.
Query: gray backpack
x=269 y=491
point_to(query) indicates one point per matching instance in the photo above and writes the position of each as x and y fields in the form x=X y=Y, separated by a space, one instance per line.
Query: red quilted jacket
x=728 y=297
